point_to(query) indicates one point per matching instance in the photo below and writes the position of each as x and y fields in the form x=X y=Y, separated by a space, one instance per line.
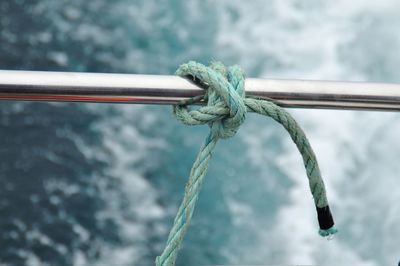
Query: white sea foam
x=123 y=147
x=284 y=39
x=297 y=39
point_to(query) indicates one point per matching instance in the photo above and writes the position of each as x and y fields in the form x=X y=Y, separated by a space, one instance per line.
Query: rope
x=225 y=111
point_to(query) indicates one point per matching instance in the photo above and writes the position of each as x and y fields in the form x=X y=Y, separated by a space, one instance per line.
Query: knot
x=225 y=110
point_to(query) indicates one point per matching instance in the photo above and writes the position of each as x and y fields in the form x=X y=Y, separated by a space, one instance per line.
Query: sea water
x=99 y=184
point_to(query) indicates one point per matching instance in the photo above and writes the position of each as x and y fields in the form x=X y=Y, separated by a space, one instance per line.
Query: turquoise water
x=98 y=184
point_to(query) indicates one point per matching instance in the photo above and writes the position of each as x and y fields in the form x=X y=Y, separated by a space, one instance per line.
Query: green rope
x=225 y=111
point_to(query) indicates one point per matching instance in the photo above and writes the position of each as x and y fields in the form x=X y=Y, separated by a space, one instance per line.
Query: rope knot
x=225 y=110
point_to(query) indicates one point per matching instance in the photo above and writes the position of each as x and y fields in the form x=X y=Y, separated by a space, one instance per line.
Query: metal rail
x=159 y=89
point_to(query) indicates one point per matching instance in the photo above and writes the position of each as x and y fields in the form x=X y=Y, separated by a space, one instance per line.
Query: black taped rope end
x=326 y=223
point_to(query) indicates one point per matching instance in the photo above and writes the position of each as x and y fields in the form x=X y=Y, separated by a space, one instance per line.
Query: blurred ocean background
x=99 y=184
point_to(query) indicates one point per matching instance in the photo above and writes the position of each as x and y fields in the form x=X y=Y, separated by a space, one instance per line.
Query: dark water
x=98 y=184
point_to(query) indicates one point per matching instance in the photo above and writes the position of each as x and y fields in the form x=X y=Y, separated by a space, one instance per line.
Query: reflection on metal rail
x=159 y=89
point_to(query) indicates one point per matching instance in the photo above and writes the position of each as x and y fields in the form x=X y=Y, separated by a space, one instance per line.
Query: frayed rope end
x=328 y=232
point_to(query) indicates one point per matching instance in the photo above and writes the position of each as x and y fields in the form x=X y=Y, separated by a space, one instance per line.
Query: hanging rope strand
x=185 y=212
x=298 y=136
x=225 y=111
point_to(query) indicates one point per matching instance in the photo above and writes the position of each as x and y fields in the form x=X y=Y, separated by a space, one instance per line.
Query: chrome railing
x=159 y=89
